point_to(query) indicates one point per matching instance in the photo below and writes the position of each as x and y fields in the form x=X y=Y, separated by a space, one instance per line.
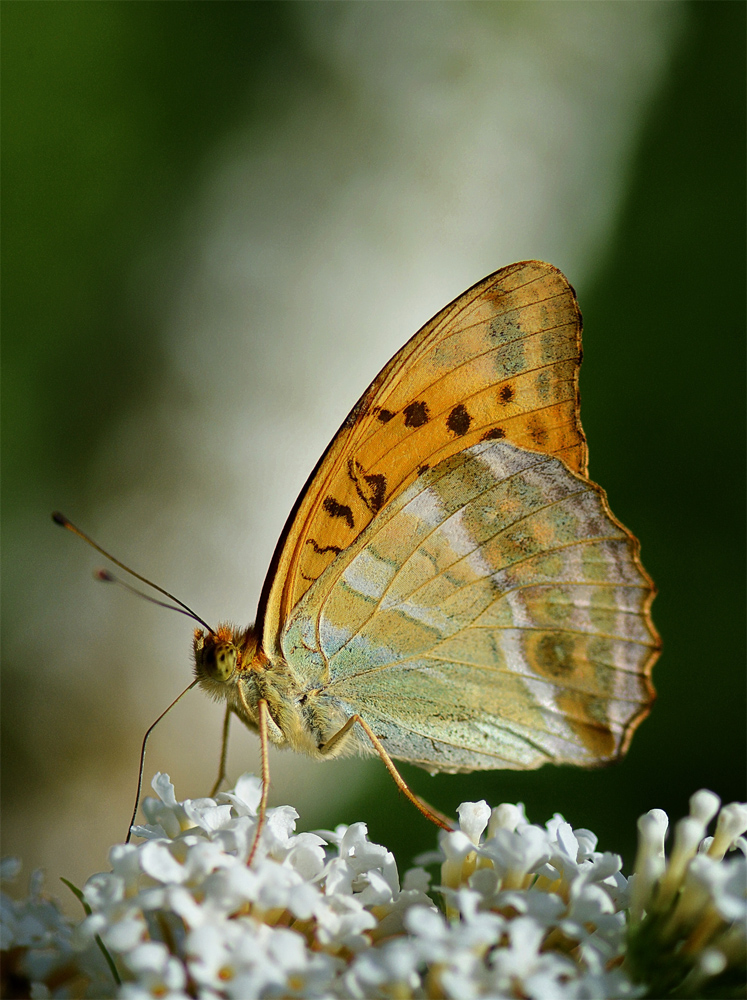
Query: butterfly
x=450 y=588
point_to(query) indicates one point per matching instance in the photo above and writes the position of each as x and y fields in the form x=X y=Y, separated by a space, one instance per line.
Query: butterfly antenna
x=142 y=757
x=102 y=575
x=106 y=577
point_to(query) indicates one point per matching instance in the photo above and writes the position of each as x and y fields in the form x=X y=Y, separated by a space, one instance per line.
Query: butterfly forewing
x=500 y=363
x=494 y=615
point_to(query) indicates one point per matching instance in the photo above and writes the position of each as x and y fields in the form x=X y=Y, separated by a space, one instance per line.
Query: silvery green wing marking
x=494 y=615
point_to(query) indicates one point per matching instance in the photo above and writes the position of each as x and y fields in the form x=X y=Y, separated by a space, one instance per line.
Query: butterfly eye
x=224 y=662
x=215 y=659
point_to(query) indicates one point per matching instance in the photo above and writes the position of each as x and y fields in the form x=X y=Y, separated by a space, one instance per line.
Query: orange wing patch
x=500 y=362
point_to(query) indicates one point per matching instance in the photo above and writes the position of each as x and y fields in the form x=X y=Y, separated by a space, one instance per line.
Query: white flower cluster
x=532 y=912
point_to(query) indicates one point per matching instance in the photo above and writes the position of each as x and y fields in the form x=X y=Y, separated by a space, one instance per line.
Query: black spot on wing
x=506 y=393
x=377 y=482
x=323 y=549
x=493 y=434
x=384 y=415
x=375 y=494
x=458 y=421
x=336 y=509
x=416 y=414
x=423 y=468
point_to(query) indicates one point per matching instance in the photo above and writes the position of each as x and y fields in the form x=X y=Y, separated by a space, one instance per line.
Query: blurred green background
x=219 y=221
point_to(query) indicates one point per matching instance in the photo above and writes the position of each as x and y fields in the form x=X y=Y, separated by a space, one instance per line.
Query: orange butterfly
x=450 y=589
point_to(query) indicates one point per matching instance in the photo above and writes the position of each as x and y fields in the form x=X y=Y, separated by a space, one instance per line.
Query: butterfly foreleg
x=399 y=781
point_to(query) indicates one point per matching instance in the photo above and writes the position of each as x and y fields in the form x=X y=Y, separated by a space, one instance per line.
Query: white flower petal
x=473 y=818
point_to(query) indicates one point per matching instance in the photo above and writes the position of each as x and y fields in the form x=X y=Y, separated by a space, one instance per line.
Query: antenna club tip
x=60 y=519
x=103 y=575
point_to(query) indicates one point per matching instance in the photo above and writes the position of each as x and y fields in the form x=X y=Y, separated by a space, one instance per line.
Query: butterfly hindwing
x=495 y=614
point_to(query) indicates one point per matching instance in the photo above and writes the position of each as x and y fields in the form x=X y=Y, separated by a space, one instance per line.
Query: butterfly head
x=221 y=655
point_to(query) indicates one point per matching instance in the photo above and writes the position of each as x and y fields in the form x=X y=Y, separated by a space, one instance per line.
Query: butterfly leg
x=422 y=807
x=223 y=753
x=264 y=746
